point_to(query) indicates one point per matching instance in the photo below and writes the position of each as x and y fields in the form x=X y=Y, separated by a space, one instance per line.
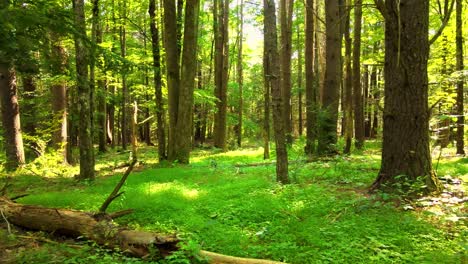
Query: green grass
x=325 y=216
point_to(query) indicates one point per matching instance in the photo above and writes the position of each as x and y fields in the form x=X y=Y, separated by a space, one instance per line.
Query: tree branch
x=115 y=193
x=445 y=21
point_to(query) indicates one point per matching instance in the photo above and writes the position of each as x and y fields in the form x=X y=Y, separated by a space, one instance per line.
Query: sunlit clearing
x=187 y=193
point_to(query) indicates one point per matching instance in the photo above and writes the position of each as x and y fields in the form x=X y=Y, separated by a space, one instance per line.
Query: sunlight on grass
x=242 y=155
x=188 y=193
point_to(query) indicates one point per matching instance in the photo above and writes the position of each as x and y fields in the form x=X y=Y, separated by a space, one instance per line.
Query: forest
x=233 y=131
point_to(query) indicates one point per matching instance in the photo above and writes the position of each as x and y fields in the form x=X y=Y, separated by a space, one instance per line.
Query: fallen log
x=101 y=229
x=76 y=224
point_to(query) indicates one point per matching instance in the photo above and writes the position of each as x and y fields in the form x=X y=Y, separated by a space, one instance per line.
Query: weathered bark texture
x=59 y=97
x=83 y=93
x=272 y=76
x=76 y=223
x=406 y=114
x=11 y=117
x=460 y=103
x=266 y=109
x=286 y=14
x=300 y=106
x=221 y=14
x=160 y=112
x=348 y=85
x=181 y=89
x=311 y=78
x=357 y=89
x=327 y=134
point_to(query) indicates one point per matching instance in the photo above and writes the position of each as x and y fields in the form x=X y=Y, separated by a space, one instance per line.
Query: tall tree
x=240 y=71
x=327 y=133
x=221 y=16
x=357 y=89
x=83 y=93
x=181 y=80
x=10 y=117
x=273 y=78
x=266 y=133
x=123 y=52
x=300 y=53
x=405 y=155
x=59 y=96
x=96 y=35
x=311 y=77
x=348 y=85
x=160 y=113
x=286 y=15
x=459 y=67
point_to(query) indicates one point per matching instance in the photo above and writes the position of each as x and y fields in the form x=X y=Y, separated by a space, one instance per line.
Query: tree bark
x=459 y=67
x=59 y=97
x=348 y=83
x=406 y=114
x=123 y=53
x=286 y=14
x=272 y=76
x=83 y=93
x=240 y=72
x=221 y=14
x=357 y=89
x=160 y=112
x=11 y=117
x=311 y=77
x=188 y=73
x=300 y=96
x=329 y=115
x=173 y=74
x=266 y=109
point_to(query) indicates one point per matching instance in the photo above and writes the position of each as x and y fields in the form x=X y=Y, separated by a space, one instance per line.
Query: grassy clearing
x=326 y=216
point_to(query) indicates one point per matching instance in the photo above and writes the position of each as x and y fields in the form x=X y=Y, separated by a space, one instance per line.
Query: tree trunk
x=460 y=105
x=123 y=52
x=348 y=84
x=173 y=74
x=266 y=109
x=240 y=73
x=160 y=113
x=300 y=106
x=311 y=78
x=83 y=93
x=221 y=14
x=59 y=97
x=286 y=14
x=357 y=89
x=330 y=99
x=11 y=117
x=28 y=114
x=375 y=121
x=272 y=76
x=406 y=114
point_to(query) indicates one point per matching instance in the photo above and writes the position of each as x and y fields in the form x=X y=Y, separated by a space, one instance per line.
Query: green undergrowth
x=221 y=205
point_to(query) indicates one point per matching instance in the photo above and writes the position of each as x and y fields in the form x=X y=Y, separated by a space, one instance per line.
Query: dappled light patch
x=189 y=193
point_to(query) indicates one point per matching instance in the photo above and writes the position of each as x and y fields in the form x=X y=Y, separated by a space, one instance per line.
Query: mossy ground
x=325 y=216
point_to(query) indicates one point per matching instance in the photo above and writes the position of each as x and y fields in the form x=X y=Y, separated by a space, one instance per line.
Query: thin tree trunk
x=221 y=14
x=160 y=113
x=406 y=113
x=300 y=106
x=28 y=114
x=286 y=12
x=173 y=74
x=240 y=73
x=101 y=84
x=329 y=116
x=123 y=53
x=266 y=109
x=83 y=93
x=460 y=105
x=358 y=105
x=11 y=117
x=311 y=77
x=348 y=84
x=272 y=76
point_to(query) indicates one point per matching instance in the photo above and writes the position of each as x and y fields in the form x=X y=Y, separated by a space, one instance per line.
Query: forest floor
x=218 y=204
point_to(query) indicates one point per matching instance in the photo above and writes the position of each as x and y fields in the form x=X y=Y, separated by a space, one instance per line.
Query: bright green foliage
x=326 y=216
